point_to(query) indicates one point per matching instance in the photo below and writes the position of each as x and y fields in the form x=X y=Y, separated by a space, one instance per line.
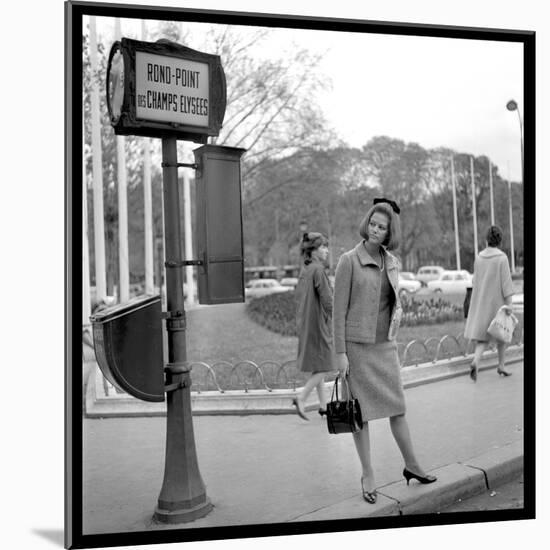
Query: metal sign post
x=172 y=92
x=183 y=495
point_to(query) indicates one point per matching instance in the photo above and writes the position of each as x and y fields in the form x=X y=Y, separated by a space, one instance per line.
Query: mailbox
x=219 y=224
x=128 y=347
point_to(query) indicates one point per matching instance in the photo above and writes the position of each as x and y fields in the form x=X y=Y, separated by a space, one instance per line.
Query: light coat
x=491 y=288
x=357 y=297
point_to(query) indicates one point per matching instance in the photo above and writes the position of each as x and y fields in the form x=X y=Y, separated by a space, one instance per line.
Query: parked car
x=429 y=273
x=450 y=282
x=467 y=274
x=262 y=287
x=517 y=298
x=290 y=282
x=408 y=284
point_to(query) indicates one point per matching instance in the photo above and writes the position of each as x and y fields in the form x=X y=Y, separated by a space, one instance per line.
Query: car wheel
x=403 y=293
x=438 y=291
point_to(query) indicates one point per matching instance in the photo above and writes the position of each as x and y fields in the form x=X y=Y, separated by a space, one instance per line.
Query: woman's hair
x=494 y=235
x=311 y=241
x=393 y=238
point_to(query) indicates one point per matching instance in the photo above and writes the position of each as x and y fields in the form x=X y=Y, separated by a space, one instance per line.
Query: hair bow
x=393 y=204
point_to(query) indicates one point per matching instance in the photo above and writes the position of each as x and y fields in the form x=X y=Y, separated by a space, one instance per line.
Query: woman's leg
x=501 y=349
x=311 y=383
x=322 y=393
x=362 y=444
x=400 y=430
x=478 y=352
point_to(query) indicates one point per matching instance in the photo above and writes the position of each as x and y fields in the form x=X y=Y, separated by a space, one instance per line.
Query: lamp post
x=513 y=106
x=303 y=227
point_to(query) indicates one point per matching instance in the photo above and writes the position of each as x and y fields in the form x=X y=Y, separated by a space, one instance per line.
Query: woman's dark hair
x=494 y=235
x=311 y=241
x=393 y=238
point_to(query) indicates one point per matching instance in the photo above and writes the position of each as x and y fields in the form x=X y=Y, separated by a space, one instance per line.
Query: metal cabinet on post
x=128 y=347
x=219 y=224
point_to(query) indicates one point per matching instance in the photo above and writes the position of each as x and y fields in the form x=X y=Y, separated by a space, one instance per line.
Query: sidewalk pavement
x=273 y=468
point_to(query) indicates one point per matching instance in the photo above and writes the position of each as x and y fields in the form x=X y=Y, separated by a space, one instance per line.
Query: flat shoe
x=473 y=372
x=299 y=410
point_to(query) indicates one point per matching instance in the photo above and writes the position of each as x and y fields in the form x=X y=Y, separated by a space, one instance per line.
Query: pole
x=183 y=495
x=189 y=280
x=474 y=213
x=455 y=214
x=491 y=193
x=521 y=142
x=147 y=204
x=97 y=174
x=123 y=267
x=86 y=305
x=511 y=221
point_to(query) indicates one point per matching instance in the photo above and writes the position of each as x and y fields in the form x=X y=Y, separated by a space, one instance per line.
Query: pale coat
x=357 y=296
x=313 y=319
x=491 y=288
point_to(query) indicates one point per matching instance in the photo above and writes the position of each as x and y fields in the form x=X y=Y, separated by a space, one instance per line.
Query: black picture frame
x=74 y=12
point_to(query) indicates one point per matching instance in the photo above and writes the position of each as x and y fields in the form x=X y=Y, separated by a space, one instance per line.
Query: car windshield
x=407 y=276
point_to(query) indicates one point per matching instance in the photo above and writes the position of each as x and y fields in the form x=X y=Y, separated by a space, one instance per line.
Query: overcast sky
x=437 y=92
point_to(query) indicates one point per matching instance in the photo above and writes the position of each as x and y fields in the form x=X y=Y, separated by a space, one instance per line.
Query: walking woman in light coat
x=366 y=317
x=313 y=321
x=491 y=289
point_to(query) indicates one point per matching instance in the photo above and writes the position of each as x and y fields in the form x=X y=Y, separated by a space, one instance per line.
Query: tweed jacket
x=357 y=296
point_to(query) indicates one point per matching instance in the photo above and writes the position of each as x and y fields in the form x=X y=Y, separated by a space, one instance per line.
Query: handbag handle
x=335 y=388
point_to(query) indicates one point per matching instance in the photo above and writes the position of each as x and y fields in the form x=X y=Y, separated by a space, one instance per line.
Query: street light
x=303 y=227
x=513 y=106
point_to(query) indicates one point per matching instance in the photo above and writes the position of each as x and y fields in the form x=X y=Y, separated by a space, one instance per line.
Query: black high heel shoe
x=473 y=372
x=369 y=496
x=408 y=475
x=503 y=372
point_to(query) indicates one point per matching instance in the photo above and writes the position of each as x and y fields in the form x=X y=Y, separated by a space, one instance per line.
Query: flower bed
x=429 y=312
x=277 y=312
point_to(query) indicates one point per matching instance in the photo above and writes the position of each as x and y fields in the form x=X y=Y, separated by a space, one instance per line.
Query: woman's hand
x=342 y=363
x=507 y=308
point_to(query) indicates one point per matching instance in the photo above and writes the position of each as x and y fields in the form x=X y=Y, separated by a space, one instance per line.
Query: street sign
x=163 y=89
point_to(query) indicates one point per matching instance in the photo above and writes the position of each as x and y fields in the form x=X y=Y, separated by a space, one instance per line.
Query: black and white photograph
x=297 y=245
x=302 y=247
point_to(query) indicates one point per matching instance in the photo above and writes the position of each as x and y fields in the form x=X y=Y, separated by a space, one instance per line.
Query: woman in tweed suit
x=366 y=316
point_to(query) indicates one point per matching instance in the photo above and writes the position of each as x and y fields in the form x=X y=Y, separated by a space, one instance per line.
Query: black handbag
x=343 y=416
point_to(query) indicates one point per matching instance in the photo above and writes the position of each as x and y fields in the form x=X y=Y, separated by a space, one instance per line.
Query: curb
x=99 y=403
x=455 y=481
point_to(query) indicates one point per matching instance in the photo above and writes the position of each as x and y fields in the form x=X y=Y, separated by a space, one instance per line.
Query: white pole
x=474 y=213
x=491 y=193
x=455 y=214
x=147 y=205
x=190 y=282
x=511 y=218
x=86 y=303
x=97 y=173
x=123 y=266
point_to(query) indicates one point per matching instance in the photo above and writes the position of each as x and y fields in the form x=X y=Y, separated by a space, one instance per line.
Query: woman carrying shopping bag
x=492 y=290
x=366 y=317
